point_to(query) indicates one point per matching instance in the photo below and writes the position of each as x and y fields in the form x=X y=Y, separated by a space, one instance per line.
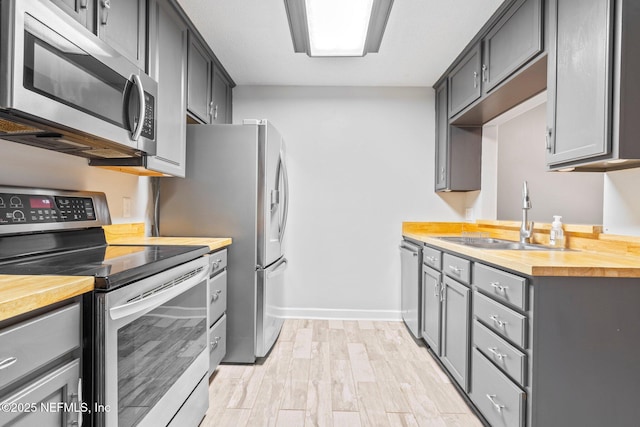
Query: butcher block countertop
x=133 y=234
x=21 y=294
x=594 y=254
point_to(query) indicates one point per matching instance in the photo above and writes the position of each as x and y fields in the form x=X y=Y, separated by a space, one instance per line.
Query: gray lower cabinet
x=216 y=313
x=458 y=150
x=168 y=44
x=431 y=307
x=40 y=370
x=456 y=314
x=593 y=94
x=514 y=40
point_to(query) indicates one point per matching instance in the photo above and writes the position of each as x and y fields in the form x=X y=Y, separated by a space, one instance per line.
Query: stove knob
x=18 y=216
x=15 y=201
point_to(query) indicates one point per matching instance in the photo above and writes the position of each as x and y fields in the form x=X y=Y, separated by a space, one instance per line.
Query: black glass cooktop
x=112 y=265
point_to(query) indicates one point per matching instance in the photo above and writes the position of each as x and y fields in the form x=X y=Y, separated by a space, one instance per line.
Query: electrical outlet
x=126 y=207
x=468 y=214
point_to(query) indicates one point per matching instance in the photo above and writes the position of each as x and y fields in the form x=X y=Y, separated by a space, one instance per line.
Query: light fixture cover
x=339 y=27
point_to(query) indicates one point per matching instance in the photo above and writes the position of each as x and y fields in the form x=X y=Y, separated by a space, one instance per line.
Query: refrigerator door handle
x=285 y=177
x=279 y=268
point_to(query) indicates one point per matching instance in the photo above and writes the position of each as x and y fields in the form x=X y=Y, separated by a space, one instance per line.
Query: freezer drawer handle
x=495 y=404
x=8 y=362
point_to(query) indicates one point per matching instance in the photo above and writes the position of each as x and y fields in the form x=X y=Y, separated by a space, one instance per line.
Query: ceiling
x=251 y=38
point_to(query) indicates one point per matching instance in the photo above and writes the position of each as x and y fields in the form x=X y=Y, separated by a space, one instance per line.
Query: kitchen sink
x=491 y=243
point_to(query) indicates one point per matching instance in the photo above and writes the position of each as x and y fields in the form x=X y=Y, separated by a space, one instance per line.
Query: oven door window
x=56 y=68
x=156 y=349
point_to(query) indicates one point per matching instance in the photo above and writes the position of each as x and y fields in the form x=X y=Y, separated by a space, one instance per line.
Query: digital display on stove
x=40 y=203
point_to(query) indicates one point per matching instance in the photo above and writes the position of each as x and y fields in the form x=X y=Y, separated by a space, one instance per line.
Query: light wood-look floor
x=341 y=374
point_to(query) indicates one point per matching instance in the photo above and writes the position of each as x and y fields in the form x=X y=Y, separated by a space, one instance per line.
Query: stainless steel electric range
x=146 y=351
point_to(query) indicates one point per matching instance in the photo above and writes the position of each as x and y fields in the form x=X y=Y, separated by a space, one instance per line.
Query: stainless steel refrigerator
x=236 y=186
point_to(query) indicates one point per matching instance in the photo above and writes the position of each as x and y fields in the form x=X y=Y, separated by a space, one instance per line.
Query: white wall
x=23 y=165
x=360 y=162
x=621 y=202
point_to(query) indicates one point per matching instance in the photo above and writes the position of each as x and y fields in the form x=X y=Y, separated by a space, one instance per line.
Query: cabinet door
x=431 y=307
x=512 y=42
x=80 y=10
x=168 y=45
x=221 y=96
x=122 y=25
x=455 y=331
x=442 y=137
x=46 y=399
x=464 y=82
x=579 y=80
x=199 y=81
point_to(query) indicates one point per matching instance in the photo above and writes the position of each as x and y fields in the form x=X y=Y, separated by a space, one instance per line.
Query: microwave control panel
x=43 y=209
x=148 y=125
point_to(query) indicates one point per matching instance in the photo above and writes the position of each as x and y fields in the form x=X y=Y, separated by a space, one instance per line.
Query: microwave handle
x=135 y=135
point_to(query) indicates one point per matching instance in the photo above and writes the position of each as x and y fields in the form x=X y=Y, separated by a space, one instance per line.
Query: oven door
x=153 y=352
x=55 y=71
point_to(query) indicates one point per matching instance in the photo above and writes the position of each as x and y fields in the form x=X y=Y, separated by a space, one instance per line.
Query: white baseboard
x=340 y=314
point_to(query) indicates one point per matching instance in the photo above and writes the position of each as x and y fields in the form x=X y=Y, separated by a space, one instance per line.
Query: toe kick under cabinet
x=540 y=351
x=217 y=318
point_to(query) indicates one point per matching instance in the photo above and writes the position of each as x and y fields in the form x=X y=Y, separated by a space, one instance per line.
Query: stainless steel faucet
x=526 y=228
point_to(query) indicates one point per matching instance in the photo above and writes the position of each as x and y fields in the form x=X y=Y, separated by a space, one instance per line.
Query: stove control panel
x=44 y=209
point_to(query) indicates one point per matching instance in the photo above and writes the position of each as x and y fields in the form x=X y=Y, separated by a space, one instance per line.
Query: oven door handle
x=153 y=300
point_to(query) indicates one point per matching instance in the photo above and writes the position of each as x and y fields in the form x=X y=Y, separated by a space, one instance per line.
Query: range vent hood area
x=25 y=131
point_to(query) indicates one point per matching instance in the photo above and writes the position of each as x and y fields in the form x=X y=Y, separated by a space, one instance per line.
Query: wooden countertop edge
x=214 y=243
x=21 y=294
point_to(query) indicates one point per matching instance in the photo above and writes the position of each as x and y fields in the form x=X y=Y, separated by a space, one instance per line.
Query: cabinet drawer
x=218 y=262
x=432 y=258
x=500 y=319
x=217 y=297
x=217 y=343
x=508 y=358
x=501 y=402
x=458 y=268
x=501 y=285
x=34 y=343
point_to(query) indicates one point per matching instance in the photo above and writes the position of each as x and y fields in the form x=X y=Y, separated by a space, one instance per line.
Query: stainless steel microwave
x=64 y=89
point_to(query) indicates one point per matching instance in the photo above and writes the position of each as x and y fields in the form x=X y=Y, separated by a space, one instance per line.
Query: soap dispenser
x=556 y=237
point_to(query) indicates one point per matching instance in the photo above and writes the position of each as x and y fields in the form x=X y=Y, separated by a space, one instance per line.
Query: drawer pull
x=500 y=323
x=456 y=270
x=216 y=295
x=8 y=362
x=498 y=287
x=495 y=404
x=214 y=343
x=494 y=350
x=431 y=259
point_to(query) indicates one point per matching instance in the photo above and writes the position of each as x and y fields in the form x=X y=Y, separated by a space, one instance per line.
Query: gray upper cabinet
x=122 y=25
x=512 y=42
x=464 y=81
x=221 y=98
x=458 y=150
x=168 y=45
x=119 y=23
x=199 y=81
x=80 y=10
x=593 y=88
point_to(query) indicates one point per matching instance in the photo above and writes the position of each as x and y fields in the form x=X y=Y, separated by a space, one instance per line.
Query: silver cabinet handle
x=211 y=109
x=500 y=323
x=83 y=4
x=8 y=362
x=106 y=5
x=495 y=404
x=216 y=295
x=435 y=289
x=215 y=342
x=441 y=291
x=215 y=113
x=431 y=258
x=494 y=351
x=548 y=137
x=484 y=73
x=415 y=254
x=475 y=79
x=497 y=286
x=216 y=263
x=442 y=174
x=456 y=270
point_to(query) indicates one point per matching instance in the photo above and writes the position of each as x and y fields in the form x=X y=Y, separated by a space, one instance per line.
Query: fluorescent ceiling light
x=337 y=27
